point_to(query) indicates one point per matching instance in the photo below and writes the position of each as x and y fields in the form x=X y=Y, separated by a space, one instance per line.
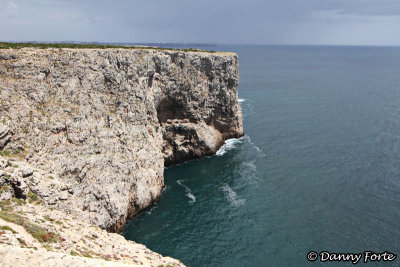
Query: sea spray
x=229 y=145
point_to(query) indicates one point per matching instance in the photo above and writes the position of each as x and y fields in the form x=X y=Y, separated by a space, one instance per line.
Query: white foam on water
x=262 y=154
x=249 y=110
x=249 y=172
x=240 y=100
x=229 y=145
x=232 y=196
x=151 y=209
x=251 y=165
x=192 y=197
x=189 y=193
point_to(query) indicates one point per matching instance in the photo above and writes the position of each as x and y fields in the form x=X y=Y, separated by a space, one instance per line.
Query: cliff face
x=197 y=104
x=97 y=124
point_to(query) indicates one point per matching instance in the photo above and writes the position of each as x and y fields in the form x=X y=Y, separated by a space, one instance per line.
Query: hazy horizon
x=198 y=44
x=267 y=22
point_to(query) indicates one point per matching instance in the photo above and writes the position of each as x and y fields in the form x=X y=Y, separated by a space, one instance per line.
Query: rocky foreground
x=84 y=138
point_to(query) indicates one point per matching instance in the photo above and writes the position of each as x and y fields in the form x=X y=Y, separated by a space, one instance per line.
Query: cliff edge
x=94 y=128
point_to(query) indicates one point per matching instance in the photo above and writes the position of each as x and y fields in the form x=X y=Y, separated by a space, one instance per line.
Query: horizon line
x=210 y=44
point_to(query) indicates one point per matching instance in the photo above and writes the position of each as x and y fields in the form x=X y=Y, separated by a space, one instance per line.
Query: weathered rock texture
x=31 y=233
x=100 y=122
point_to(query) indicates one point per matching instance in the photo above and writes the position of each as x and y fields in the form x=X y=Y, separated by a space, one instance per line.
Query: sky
x=317 y=22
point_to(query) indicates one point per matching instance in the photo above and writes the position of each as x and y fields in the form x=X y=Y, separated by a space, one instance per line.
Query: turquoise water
x=318 y=168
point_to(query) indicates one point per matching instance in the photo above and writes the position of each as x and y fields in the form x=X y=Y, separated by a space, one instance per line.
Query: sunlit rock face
x=104 y=122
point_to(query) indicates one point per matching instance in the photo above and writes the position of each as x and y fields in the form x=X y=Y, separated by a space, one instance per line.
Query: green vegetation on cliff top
x=6 y=45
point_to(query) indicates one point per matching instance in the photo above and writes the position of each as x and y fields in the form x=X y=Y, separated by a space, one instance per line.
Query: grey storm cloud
x=348 y=22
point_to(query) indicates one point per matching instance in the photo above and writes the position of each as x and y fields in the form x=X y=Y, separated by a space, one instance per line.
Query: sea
x=317 y=170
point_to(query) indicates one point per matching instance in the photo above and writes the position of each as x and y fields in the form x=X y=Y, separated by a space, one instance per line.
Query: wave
x=232 y=196
x=192 y=197
x=189 y=193
x=240 y=100
x=229 y=145
x=262 y=154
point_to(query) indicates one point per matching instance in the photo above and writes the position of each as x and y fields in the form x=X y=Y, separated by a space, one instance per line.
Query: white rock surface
x=85 y=135
x=99 y=122
x=68 y=241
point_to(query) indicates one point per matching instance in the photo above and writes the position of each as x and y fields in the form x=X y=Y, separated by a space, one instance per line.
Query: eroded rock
x=94 y=126
x=5 y=135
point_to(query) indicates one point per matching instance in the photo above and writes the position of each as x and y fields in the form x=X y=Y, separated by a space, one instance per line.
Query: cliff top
x=7 y=45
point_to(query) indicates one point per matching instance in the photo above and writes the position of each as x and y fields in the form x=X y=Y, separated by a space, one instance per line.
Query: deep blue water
x=318 y=169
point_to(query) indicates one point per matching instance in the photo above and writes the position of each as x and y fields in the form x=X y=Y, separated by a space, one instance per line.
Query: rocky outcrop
x=197 y=105
x=31 y=233
x=95 y=125
x=5 y=135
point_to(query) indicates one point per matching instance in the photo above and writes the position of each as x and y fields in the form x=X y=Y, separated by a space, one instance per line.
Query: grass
x=5 y=205
x=37 y=232
x=47 y=218
x=17 y=153
x=18 y=201
x=86 y=254
x=22 y=242
x=33 y=198
x=11 y=217
x=6 y=45
x=7 y=228
x=4 y=188
x=5 y=153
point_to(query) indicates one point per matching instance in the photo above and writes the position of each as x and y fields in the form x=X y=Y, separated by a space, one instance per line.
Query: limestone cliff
x=97 y=125
x=32 y=233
